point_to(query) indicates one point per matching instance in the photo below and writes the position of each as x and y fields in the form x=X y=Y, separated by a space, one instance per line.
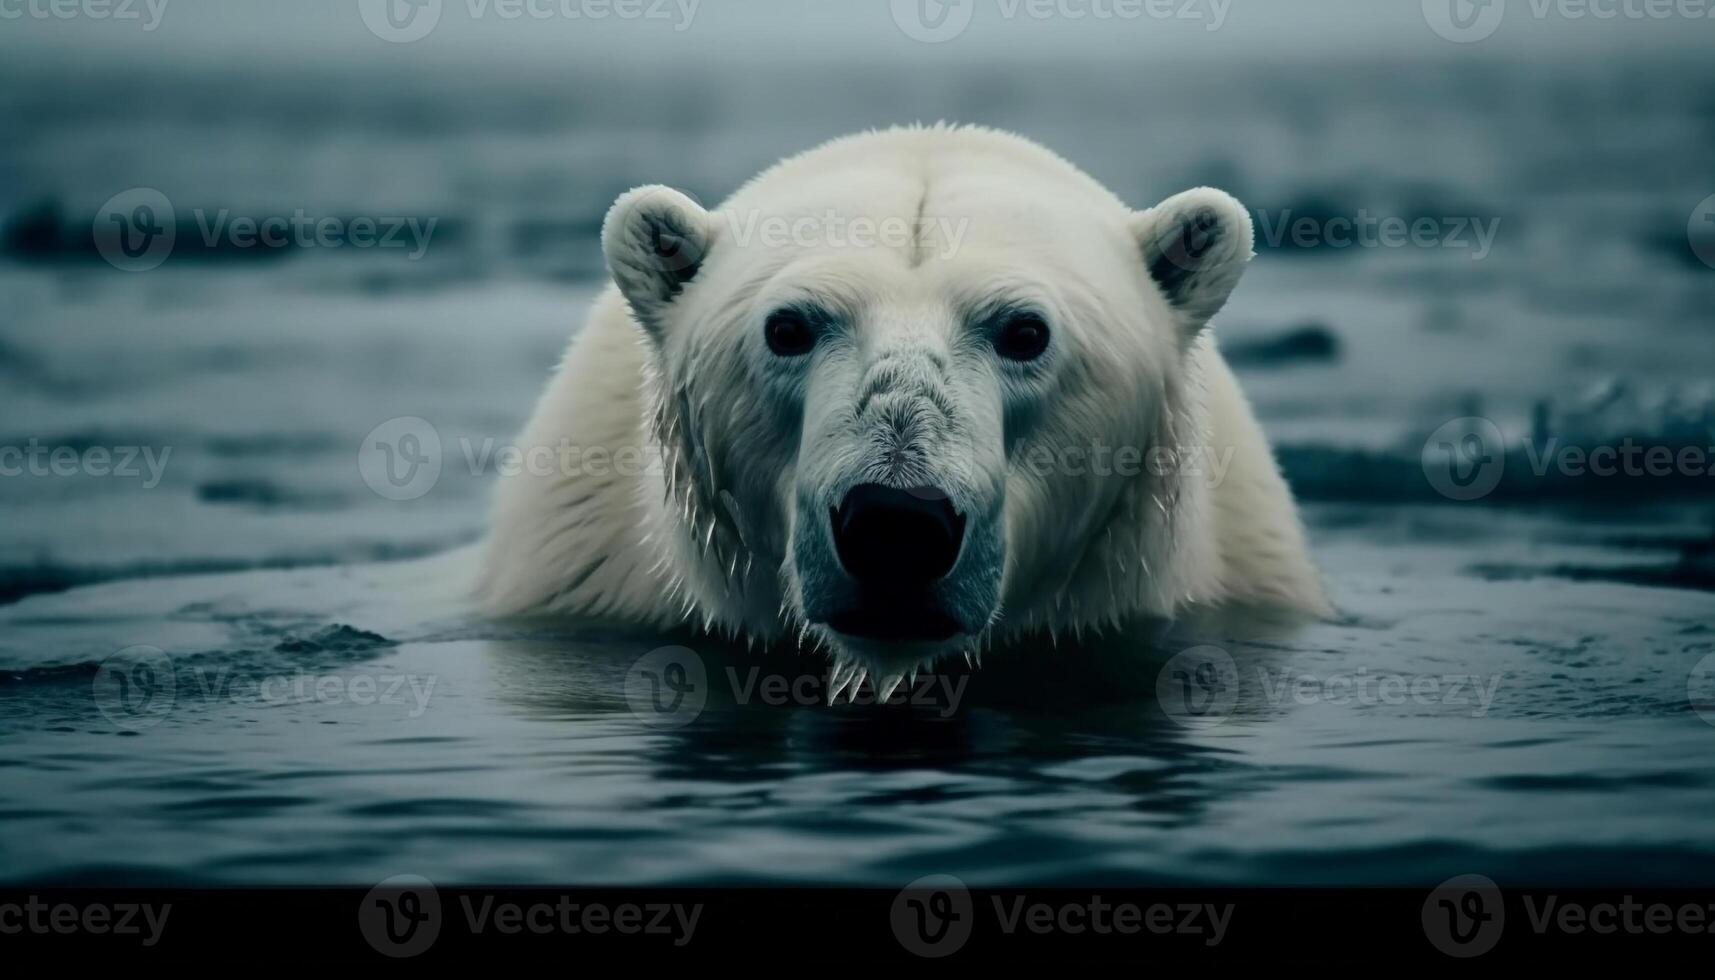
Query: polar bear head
x=874 y=369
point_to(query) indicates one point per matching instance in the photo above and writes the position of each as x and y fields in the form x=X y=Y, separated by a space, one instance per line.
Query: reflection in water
x=533 y=760
x=961 y=753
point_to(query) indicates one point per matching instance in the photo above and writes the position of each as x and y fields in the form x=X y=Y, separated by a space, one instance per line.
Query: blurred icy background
x=1586 y=144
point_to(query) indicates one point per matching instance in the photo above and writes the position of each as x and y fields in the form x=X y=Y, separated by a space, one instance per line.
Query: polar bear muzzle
x=896 y=544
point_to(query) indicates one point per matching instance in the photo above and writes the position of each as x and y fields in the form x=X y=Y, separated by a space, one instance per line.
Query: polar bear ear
x=655 y=240
x=1195 y=246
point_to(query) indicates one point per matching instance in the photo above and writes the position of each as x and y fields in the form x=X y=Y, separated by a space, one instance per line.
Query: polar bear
x=911 y=393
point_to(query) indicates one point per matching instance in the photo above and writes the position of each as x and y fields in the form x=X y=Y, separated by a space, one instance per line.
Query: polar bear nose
x=897 y=540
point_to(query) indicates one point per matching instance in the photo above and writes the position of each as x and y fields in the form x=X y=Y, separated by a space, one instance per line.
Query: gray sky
x=311 y=32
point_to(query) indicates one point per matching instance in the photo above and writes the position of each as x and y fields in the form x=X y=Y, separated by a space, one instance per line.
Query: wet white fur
x=704 y=533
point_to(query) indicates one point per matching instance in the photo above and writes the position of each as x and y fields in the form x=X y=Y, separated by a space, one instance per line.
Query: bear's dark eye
x=788 y=333
x=1023 y=337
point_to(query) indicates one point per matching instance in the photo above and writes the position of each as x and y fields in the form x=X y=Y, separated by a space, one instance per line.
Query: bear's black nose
x=894 y=540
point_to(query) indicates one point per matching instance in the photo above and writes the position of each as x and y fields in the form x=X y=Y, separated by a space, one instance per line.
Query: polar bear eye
x=789 y=333
x=1023 y=337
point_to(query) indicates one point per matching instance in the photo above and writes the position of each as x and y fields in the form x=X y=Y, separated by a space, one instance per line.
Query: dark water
x=1518 y=686
x=1562 y=755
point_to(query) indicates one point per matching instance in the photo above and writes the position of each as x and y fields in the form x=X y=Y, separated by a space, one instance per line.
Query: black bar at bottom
x=935 y=919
